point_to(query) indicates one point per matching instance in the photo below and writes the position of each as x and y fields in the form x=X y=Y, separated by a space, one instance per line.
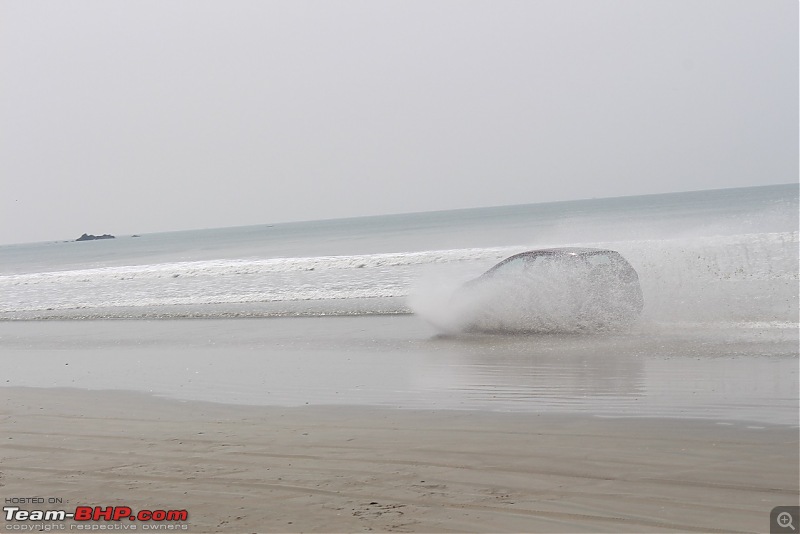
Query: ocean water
x=717 y=339
x=711 y=256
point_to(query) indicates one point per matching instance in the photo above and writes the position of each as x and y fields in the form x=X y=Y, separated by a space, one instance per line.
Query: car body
x=555 y=289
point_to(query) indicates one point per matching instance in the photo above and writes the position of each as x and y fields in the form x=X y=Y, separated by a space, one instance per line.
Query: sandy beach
x=352 y=424
x=257 y=469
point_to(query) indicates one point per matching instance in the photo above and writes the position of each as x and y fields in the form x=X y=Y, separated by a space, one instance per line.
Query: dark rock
x=90 y=237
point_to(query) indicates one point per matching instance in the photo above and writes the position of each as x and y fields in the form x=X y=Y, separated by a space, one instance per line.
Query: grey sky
x=142 y=116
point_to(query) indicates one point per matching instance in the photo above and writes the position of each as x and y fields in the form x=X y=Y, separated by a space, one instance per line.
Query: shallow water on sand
x=695 y=371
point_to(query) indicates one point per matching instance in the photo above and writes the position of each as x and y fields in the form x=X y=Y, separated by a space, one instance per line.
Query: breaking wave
x=743 y=277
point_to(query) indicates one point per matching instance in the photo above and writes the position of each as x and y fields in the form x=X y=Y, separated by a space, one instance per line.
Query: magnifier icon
x=785 y=520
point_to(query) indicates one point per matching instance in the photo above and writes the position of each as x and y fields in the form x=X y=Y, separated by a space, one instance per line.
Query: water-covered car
x=557 y=289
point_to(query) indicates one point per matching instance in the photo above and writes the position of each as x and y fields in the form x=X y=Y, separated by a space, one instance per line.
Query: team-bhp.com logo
x=96 y=513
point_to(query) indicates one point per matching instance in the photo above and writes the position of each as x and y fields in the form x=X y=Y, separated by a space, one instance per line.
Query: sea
x=349 y=312
x=726 y=255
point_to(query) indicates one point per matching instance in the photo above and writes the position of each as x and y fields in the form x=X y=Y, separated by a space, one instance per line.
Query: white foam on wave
x=748 y=256
x=238 y=267
x=743 y=277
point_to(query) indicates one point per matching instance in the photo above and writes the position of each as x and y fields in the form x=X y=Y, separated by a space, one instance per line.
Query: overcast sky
x=141 y=116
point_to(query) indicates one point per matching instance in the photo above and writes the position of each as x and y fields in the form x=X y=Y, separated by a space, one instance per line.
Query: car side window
x=545 y=263
x=562 y=269
x=515 y=266
x=599 y=260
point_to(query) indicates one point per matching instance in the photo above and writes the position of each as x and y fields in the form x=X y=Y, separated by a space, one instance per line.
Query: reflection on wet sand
x=699 y=372
x=524 y=368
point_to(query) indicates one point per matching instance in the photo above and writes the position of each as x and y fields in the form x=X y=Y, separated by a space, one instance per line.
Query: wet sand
x=350 y=424
x=350 y=469
x=722 y=373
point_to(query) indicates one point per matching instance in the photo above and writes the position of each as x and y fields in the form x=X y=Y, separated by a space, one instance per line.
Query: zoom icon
x=783 y=519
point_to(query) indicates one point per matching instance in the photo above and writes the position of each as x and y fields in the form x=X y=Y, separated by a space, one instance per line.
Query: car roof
x=574 y=252
x=566 y=251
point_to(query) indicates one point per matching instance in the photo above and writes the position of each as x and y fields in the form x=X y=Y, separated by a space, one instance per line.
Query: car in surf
x=553 y=290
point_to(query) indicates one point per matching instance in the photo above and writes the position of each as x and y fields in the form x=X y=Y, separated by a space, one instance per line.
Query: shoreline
x=732 y=374
x=343 y=469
